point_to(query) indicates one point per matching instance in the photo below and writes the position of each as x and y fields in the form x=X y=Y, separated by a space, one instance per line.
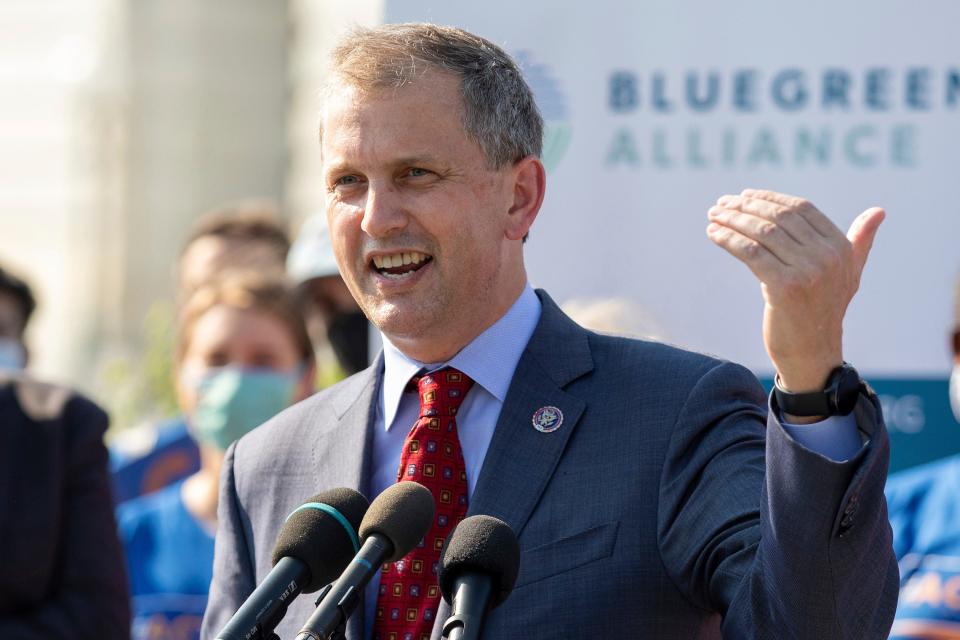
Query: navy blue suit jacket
x=666 y=506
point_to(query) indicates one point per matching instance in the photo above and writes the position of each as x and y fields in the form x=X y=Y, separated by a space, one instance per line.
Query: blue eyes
x=351 y=180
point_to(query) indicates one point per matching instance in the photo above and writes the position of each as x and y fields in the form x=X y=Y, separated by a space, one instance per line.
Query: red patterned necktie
x=409 y=595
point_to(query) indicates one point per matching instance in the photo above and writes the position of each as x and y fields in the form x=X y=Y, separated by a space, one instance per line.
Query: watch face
x=848 y=390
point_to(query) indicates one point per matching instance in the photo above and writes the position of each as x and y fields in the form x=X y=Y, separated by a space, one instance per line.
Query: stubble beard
x=437 y=316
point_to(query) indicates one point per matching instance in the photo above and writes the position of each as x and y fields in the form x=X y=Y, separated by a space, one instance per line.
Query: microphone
x=396 y=521
x=478 y=568
x=315 y=544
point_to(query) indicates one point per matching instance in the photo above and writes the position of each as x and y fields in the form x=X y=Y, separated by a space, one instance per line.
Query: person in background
x=246 y=235
x=340 y=332
x=243 y=355
x=924 y=506
x=615 y=316
x=62 y=564
x=16 y=306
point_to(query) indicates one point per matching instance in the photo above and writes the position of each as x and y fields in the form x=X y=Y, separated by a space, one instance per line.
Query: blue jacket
x=667 y=506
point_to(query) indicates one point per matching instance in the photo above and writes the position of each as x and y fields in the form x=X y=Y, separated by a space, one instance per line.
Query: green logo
x=552 y=102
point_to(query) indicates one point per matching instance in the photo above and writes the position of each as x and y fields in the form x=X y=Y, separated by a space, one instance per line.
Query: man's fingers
x=783 y=216
x=762 y=231
x=753 y=254
x=811 y=214
x=862 y=232
x=773 y=196
x=775 y=234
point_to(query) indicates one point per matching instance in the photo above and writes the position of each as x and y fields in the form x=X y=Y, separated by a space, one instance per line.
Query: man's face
x=418 y=220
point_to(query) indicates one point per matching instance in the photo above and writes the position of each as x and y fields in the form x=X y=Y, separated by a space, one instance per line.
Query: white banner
x=655 y=109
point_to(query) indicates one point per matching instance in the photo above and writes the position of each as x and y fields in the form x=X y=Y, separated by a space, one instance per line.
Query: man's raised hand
x=808 y=270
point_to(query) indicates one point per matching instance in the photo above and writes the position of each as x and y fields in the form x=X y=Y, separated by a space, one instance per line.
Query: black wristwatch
x=838 y=398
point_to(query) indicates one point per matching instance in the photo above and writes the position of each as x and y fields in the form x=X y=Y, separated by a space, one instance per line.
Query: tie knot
x=442 y=391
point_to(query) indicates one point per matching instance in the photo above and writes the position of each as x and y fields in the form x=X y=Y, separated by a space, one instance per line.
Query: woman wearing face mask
x=243 y=355
x=924 y=506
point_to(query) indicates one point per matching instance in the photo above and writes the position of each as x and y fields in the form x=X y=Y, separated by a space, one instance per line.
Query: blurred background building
x=120 y=122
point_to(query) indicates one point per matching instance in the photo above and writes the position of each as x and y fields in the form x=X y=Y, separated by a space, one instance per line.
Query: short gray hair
x=499 y=110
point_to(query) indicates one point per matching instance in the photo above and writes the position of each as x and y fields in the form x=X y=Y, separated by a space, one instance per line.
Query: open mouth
x=400 y=265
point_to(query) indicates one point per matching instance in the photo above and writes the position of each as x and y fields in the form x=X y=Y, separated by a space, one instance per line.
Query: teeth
x=398 y=259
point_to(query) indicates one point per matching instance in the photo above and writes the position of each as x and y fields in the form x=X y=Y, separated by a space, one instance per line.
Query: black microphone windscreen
x=486 y=545
x=403 y=514
x=322 y=533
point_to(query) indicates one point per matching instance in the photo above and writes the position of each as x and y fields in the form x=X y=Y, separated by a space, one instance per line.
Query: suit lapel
x=356 y=409
x=521 y=459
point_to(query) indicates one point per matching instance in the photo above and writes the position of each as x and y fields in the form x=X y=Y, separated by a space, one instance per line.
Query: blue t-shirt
x=924 y=505
x=169 y=563
x=173 y=456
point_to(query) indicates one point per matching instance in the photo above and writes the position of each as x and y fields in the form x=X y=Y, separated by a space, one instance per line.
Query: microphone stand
x=466 y=622
x=340 y=632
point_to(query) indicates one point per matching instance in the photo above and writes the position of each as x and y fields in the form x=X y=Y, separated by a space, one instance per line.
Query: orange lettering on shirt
x=951 y=593
x=924 y=589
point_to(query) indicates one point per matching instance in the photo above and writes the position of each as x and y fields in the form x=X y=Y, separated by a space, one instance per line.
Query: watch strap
x=838 y=397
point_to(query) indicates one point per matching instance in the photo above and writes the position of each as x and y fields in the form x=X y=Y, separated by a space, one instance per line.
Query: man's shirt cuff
x=836 y=437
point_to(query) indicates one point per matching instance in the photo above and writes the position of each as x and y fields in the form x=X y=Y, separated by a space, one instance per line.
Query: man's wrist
x=837 y=396
x=808 y=378
x=789 y=418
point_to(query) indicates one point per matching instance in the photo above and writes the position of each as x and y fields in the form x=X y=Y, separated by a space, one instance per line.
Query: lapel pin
x=547 y=419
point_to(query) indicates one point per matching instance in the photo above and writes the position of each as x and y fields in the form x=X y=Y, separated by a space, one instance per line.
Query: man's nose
x=383 y=213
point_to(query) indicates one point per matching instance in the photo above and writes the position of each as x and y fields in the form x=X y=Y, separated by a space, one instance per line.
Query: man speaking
x=653 y=493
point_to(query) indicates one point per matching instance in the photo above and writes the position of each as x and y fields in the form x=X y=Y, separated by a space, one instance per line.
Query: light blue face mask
x=12 y=355
x=233 y=401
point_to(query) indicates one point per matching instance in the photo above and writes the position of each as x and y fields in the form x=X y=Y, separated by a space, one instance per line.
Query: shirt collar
x=489 y=359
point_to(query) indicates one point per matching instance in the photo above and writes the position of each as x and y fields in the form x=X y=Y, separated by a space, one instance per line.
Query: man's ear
x=529 y=187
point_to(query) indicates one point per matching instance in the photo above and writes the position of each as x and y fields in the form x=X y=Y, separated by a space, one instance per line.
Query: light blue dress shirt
x=835 y=437
x=490 y=360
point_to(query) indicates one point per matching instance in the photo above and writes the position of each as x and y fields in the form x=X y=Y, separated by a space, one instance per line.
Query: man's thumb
x=863 y=231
